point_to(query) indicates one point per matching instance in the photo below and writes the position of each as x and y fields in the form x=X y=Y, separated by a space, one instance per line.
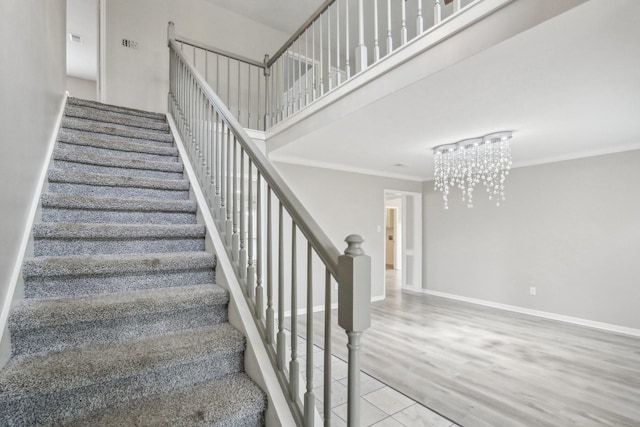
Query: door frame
x=411 y=223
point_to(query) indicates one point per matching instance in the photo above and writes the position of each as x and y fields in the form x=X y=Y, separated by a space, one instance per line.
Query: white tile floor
x=380 y=405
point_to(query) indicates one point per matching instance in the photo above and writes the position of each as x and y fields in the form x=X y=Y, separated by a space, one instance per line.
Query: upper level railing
x=282 y=258
x=238 y=81
x=341 y=39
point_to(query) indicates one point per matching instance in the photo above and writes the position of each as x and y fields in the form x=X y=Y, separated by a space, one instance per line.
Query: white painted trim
x=544 y=314
x=31 y=217
x=274 y=390
x=336 y=166
x=578 y=155
x=256 y=134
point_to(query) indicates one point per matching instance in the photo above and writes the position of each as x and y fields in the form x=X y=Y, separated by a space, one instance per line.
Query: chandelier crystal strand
x=467 y=163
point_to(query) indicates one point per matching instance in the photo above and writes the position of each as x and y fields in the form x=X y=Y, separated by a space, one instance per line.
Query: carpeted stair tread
x=115 y=129
x=115 y=138
x=115 y=161
x=60 y=238
x=33 y=313
x=116 y=204
x=114 y=117
x=121 y=321
x=69 y=181
x=77 y=367
x=111 y=180
x=115 y=108
x=109 y=264
x=54 y=230
x=39 y=325
x=230 y=401
x=95 y=140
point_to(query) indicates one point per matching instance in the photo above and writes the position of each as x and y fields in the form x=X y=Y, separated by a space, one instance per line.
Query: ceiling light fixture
x=466 y=163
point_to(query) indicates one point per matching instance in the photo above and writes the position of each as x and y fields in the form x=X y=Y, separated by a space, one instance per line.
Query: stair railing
x=267 y=231
x=237 y=80
x=341 y=39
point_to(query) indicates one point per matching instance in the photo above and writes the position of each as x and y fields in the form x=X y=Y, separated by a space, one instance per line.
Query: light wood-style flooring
x=480 y=366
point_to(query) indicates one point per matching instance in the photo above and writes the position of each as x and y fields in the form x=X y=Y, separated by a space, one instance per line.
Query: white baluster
x=329 y=78
x=235 y=211
x=437 y=12
x=338 y=77
x=327 y=349
x=376 y=47
x=306 y=67
x=309 y=398
x=419 y=19
x=243 y=242
x=361 y=49
x=389 y=37
x=313 y=60
x=403 y=27
x=321 y=58
x=280 y=338
x=457 y=5
x=294 y=369
x=270 y=311
x=346 y=36
x=259 y=314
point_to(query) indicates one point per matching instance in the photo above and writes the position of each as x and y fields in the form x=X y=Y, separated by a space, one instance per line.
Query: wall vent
x=75 y=38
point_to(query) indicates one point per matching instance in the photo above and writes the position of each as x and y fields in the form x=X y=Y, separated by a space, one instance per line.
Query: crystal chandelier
x=466 y=163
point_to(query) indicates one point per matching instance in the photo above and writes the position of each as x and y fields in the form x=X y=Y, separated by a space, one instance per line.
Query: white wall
x=32 y=84
x=571 y=229
x=346 y=203
x=139 y=77
x=81 y=88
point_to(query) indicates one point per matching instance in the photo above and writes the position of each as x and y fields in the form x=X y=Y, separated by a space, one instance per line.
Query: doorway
x=403 y=240
x=83 y=23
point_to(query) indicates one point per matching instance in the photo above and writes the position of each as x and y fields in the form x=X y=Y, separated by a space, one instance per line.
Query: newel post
x=171 y=32
x=354 y=313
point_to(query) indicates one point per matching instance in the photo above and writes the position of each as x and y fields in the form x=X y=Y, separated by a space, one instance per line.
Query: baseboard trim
x=538 y=313
x=17 y=267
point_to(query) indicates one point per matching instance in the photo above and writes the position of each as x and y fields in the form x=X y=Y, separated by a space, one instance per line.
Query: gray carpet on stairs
x=122 y=323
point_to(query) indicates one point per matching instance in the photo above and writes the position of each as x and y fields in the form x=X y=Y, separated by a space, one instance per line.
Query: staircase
x=122 y=323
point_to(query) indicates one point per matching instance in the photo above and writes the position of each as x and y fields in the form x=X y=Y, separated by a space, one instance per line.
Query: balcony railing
x=341 y=39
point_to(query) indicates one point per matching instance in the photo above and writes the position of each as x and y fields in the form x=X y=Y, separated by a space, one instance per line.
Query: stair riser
x=50 y=214
x=60 y=247
x=84 y=167
x=115 y=118
x=64 y=286
x=133 y=192
x=117 y=130
x=48 y=409
x=114 y=330
x=109 y=152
